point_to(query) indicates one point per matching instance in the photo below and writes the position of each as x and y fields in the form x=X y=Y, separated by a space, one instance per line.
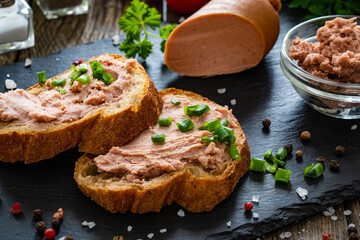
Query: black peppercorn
x=40 y=227
x=306 y=136
x=320 y=160
x=266 y=123
x=289 y=148
x=352 y=229
x=56 y=223
x=334 y=164
x=69 y=237
x=37 y=214
x=339 y=150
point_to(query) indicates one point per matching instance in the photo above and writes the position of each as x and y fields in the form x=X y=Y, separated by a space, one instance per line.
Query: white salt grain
x=85 y=223
x=256 y=216
x=10 y=84
x=221 y=90
x=181 y=213
x=28 y=62
x=302 y=192
x=351 y=225
x=164 y=230
x=129 y=228
x=288 y=234
x=347 y=212
x=91 y=225
x=116 y=40
x=150 y=235
x=7 y=75
x=282 y=235
x=57 y=59
x=255 y=198
x=329 y=212
x=233 y=101
x=228 y=224
x=303 y=230
x=334 y=218
x=354 y=127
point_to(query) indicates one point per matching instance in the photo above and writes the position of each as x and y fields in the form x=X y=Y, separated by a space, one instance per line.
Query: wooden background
x=101 y=22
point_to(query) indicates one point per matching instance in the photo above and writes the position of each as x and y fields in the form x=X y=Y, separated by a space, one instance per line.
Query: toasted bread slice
x=194 y=187
x=96 y=132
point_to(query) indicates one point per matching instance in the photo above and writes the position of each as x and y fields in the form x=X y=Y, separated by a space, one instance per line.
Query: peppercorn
x=305 y=135
x=299 y=154
x=248 y=206
x=266 y=123
x=16 y=208
x=334 y=164
x=339 y=150
x=56 y=223
x=353 y=236
x=327 y=236
x=320 y=160
x=50 y=233
x=37 y=214
x=40 y=226
x=69 y=237
x=289 y=148
x=59 y=214
x=352 y=229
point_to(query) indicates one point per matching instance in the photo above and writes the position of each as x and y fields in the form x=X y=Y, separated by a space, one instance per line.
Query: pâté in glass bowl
x=325 y=69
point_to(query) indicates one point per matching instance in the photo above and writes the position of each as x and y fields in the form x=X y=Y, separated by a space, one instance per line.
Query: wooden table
x=101 y=22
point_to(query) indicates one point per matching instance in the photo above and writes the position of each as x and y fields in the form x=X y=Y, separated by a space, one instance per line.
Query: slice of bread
x=96 y=132
x=194 y=187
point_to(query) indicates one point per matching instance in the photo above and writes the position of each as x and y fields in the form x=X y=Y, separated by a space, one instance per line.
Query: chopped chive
x=58 y=82
x=224 y=122
x=209 y=139
x=83 y=79
x=83 y=67
x=230 y=131
x=222 y=133
x=74 y=75
x=62 y=91
x=165 y=121
x=279 y=162
x=97 y=69
x=283 y=175
x=41 y=77
x=257 y=165
x=281 y=153
x=314 y=171
x=204 y=127
x=213 y=125
x=268 y=154
x=158 y=138
x=189 y=109
x=271 y=168
x=231 y=139
x=234 y=152
x=107 y=78
x=175 y=101
x=185 y=125
x=201 y=110
x=73 y=67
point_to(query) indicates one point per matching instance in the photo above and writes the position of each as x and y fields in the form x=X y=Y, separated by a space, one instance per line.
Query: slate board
x=261 y=92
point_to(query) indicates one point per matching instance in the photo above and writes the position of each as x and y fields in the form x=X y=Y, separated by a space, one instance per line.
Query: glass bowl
x=336 y=99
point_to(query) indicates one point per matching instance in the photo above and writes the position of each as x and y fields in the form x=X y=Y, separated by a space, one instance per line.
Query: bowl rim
x=304 y=74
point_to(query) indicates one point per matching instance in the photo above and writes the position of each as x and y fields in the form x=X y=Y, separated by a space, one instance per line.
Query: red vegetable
x=186 y=6
x=248 y=206
x=16 y=208
x=49 y=233
x=327 y=236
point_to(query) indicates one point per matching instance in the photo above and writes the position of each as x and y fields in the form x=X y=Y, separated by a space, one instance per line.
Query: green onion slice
x=222 y=133
x=204 y=127
x=163 y=121
x=231 y=139
x=107 y=78
x=83 y=67
x=213 y=125
x=257 y=165
x=185 y=125
x=201 y=110
x=62 y=91
x=271 y=168
x=209 y=139
x=224 y=122
x=99 y=73
x=158 y=138
x=281 y=153
x=84 y=79
x=189 y=109
x=58 y=82
x=74 y=75
x=268 y=154
x=230 y=131
x=283 y=175
x=41 y=77
x=234 y=152
x=175 y=101
x=314 y=171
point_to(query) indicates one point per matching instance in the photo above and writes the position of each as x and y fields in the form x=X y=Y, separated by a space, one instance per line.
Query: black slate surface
x=261 y=92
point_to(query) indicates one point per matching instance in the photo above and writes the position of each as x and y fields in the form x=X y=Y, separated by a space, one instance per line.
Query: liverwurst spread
x=336 y=55
x=141 y=158
x=51 y=106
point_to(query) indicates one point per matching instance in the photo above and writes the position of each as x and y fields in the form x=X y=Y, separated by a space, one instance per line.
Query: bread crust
x=95 y=133
x=194 y=193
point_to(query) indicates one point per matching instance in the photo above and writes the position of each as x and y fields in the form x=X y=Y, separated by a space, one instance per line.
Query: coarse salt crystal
x=85 y=223
x=351 y=225
x=302 y=192
x=288 y=234
x=334 y=218
x=28 y=62
x=233 y=101
x=164 y=230
x=303 y=230
x=129 y=228
x=328 y=212
x=10 y=84
x=256 y=216
x=282 y=235
x=181 y=213
x=221 y=90
x=228 y=224
x=116 y=40
x=57 y=59
x=91 y=225
x=255 y=198
x=7 y=75
x=347 y=212
x=150 y=235
x=354 y=127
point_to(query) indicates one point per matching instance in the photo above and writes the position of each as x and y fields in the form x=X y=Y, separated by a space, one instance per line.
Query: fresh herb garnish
x=158 y=138
x=137 y=17
x=58 y=82
x=99 y=73
x=41 y=77
x=62 y=91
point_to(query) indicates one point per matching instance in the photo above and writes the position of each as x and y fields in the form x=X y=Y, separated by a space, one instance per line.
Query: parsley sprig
x=326 y=7
x=134 y=22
